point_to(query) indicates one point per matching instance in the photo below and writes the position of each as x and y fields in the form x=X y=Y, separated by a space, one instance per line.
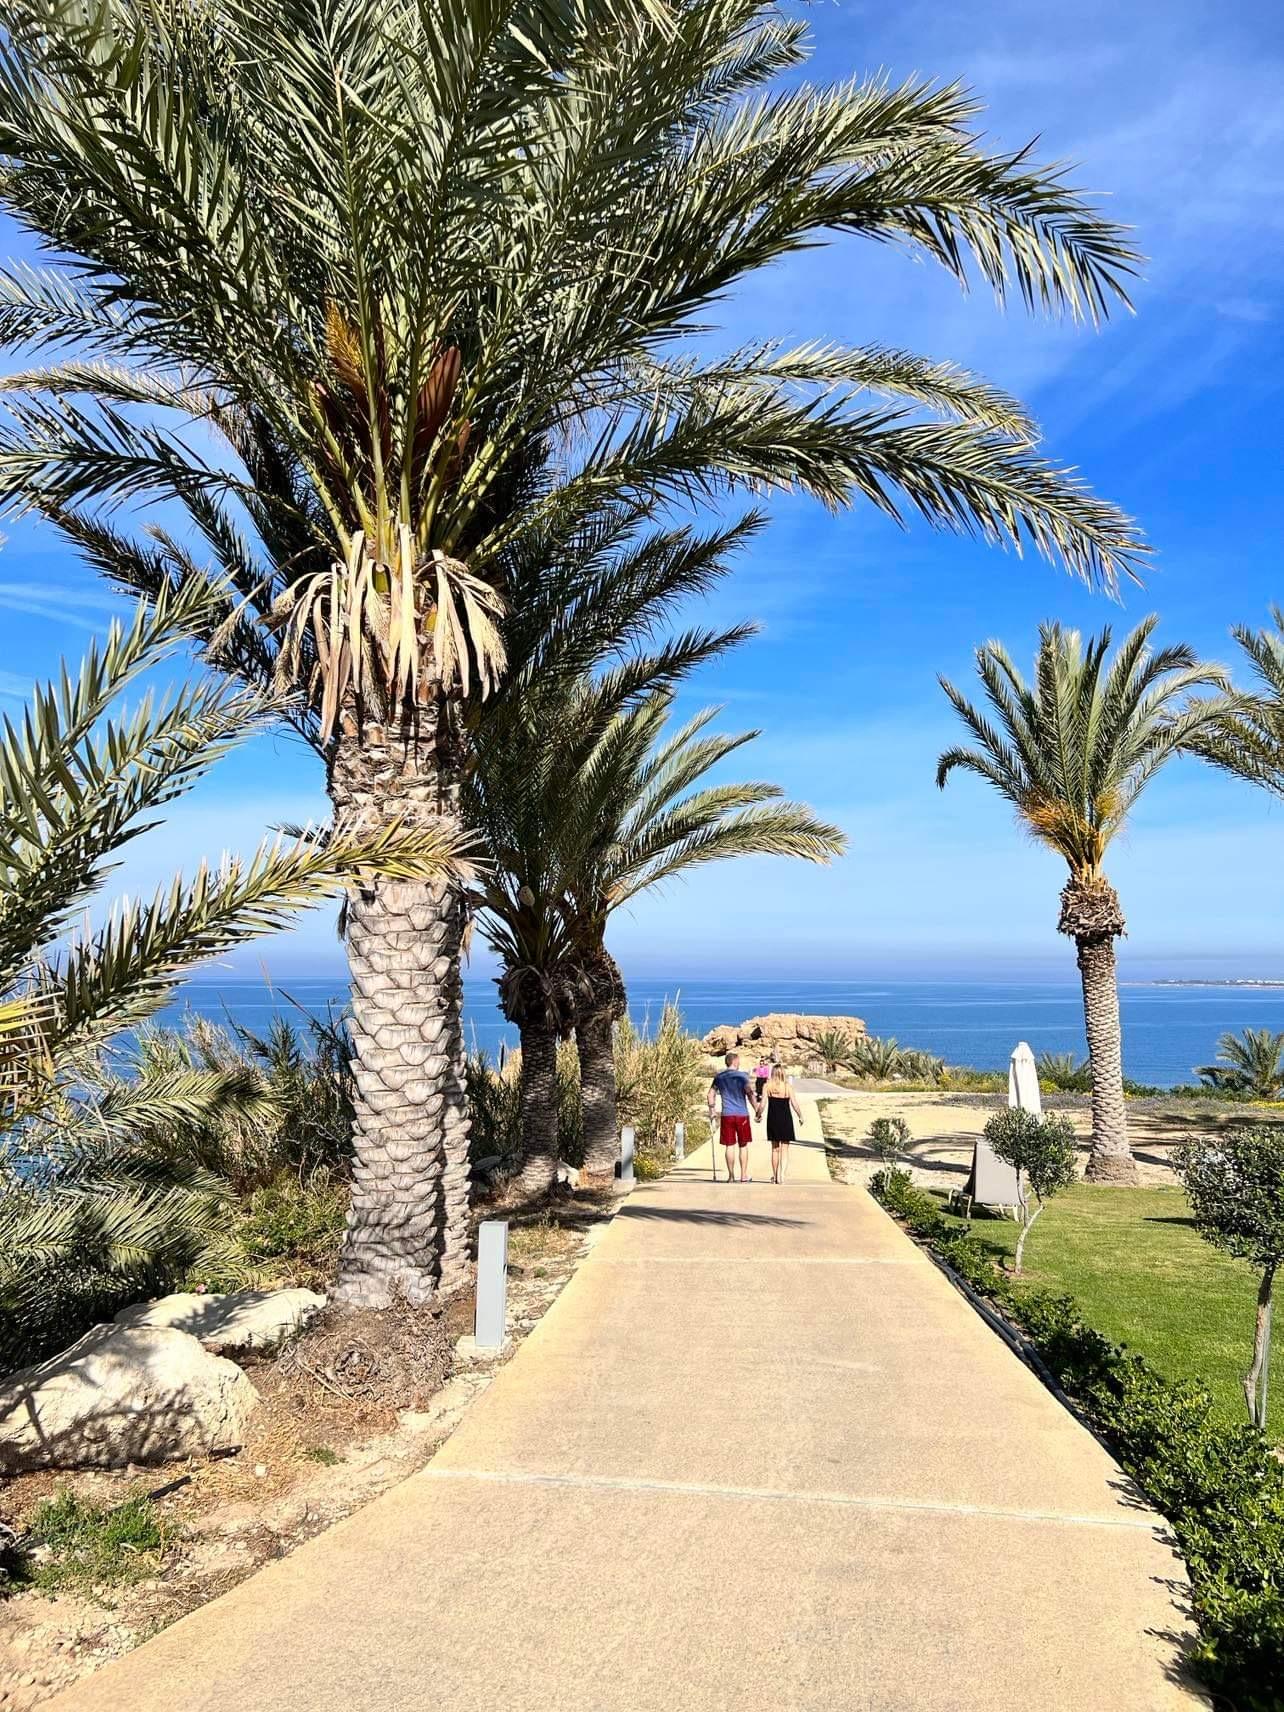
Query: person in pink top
x=761 y=1075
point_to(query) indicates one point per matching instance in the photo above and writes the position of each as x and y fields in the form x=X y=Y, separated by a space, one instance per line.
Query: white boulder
x=123 y=1394
x=240 y=1321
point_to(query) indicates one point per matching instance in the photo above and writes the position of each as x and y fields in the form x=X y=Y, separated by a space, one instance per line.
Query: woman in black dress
x=781 y=1109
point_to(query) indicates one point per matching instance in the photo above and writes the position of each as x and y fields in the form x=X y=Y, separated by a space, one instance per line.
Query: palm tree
x=1249 y=741
x=371 y=289
x=1072 y=752
x=584 y=808
x=1251 y=1063
x=80 y=1198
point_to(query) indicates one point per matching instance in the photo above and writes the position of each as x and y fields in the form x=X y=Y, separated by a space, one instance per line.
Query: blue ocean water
x=1168 y=1030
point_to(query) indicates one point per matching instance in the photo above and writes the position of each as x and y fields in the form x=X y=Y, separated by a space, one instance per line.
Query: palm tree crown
x=1073 y=750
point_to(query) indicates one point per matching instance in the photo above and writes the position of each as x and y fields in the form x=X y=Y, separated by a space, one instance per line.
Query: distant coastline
x=1207 y=981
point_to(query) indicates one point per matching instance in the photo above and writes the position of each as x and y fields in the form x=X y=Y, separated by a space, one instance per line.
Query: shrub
x=1221 y=1487
x=1235 y=1186
x=1064 y=1072
x=660 y=1078
x=873 y=1059
x=1042 y=1151
x=495 y=1108
x=835 y=1049
x=888 y=1138
x=1251 y=1063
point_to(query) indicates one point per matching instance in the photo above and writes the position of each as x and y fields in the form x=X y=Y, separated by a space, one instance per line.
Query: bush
x=1065 y=1073
x=1235 y=1186
x=874 y=1060
x=660 y=1078
x=1221 y=1487
x=888 y=1138
x=287 y=1232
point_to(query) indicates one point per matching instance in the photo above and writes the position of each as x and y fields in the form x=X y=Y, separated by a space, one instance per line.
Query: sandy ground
x=944 y=1131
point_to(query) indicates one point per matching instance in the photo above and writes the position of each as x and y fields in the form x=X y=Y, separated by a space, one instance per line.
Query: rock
x=123 y=1394
x=788 y=1036
x=242 y=1320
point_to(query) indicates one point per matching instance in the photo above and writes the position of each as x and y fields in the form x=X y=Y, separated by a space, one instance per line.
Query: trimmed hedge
x=1220 y=1486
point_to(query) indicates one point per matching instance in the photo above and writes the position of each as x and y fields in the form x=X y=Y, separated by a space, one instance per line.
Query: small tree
x=1042 y=1151
x=1235 y=1186
x=888 y=1138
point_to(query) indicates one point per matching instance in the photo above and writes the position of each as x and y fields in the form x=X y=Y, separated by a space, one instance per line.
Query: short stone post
x=492 y=1284
x=679 y=1141
x=626 y=1157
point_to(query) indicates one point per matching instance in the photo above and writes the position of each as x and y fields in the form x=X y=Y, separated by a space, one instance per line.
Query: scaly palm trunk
x=601 y=999
x=407 y=1225
x=539 y=1106
x=595 y=1046
x=1090 y=914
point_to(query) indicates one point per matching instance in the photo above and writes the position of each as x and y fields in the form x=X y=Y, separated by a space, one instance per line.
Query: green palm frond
x=1073 y=749
x=389 y=285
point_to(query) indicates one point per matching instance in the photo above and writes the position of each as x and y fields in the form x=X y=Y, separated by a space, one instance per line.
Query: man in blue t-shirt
x=734 y=1087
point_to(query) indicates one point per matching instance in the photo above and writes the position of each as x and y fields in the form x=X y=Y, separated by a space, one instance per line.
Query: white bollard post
x=492 y=1284
x=626 y=1157
x=679 y=1141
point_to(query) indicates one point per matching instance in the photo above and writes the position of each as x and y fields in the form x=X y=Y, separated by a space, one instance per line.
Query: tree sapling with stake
x=1042 y=1151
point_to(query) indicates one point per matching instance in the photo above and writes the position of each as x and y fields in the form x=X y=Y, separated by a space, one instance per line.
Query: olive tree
x=1041 y=1149
x=1235 y=1186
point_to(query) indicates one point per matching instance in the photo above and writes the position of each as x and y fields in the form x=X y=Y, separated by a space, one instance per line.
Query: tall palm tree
x=1072 y=752
x=79 y=1199
x=611 y=806
x=372 y=288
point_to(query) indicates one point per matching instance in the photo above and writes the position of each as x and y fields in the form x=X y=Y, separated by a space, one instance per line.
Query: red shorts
x=736 y=1131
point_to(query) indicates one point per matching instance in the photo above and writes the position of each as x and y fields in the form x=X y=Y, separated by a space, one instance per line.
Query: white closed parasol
x=1023 y=1081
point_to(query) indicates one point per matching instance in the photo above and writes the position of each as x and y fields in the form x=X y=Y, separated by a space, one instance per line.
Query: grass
x=1143 y=1276
x=73 y=1544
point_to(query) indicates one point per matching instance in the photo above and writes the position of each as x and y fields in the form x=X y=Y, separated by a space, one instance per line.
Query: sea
x=1168 y=1030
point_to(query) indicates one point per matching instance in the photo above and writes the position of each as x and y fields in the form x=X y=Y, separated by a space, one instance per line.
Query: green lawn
x=1133 y=1261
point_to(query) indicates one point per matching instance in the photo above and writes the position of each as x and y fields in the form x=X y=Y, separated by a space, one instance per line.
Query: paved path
x=759 y=1455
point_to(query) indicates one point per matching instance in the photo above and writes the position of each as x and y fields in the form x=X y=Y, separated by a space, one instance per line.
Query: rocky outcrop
x=241 y=1322
x=123 y=1394
x=786 y=1036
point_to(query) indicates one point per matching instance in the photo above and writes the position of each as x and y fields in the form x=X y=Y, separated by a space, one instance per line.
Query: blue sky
x=1174 y=110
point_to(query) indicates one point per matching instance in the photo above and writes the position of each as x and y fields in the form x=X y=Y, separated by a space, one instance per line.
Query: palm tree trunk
x=1110 y=1160
x=1091 y=916
x=539 y=1107
x=407 y=1225
x=595 y=1045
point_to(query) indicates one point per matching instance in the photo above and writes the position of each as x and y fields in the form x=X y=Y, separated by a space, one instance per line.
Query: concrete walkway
x=759 y=1455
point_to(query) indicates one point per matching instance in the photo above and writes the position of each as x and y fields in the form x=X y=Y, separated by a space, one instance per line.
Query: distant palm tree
x=581 y=814
x=1251 y=1063
x=1072 y=752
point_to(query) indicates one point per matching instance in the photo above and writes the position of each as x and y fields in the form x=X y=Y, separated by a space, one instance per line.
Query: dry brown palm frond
x=392 y=627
